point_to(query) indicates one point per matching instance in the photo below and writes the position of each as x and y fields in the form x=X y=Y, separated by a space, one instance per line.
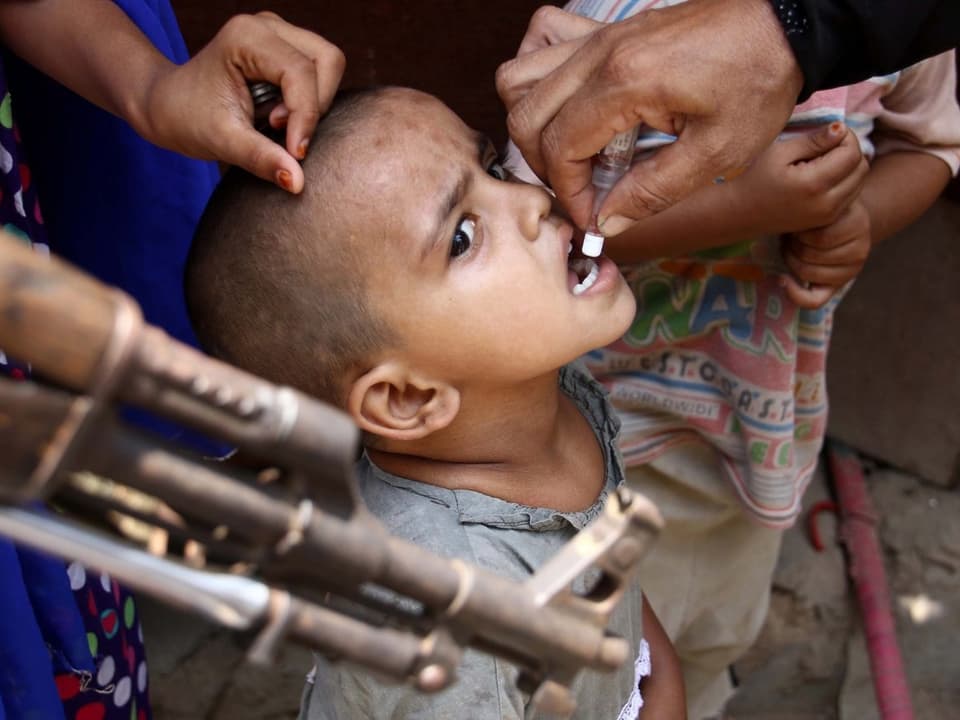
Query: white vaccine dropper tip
x=592 y=244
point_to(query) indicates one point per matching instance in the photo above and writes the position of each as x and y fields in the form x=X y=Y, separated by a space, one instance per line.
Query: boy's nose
x=534 y=206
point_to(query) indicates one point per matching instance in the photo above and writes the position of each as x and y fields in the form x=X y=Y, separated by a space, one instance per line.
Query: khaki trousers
x=709 y=574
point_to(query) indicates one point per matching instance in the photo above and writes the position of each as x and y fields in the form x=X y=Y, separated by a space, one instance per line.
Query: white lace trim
x=641 y=669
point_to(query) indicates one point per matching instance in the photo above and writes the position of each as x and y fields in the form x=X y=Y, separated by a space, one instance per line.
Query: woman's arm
x=90 y=46
x=202 y=108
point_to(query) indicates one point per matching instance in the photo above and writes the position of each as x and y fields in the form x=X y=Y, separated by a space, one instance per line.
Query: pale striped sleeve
x=921 y=114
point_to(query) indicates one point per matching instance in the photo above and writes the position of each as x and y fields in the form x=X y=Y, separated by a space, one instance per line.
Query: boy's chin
x=614 y=321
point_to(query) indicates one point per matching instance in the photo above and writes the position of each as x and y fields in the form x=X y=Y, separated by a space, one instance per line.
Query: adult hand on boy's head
x=203 y=108
x=823 y=260
x=719 y=75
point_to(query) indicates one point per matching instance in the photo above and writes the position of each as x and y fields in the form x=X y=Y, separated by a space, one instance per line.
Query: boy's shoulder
x=593 y=399
x=506 y=537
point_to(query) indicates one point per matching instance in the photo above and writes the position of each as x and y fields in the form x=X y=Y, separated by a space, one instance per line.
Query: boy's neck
x=528 y=444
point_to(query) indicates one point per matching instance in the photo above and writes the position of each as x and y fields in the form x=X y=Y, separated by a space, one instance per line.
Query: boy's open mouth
x=582 y=273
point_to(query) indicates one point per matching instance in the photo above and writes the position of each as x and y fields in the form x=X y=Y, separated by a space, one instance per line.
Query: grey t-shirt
x=511 y=540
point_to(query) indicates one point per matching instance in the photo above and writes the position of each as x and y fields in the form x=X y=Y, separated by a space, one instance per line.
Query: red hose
x=813 y=530
x=858 y=532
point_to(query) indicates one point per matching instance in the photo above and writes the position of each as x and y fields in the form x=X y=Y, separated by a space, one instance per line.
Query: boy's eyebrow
x=454 y=197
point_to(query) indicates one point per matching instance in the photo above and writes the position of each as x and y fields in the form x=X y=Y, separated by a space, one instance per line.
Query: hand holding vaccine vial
x=609 y=166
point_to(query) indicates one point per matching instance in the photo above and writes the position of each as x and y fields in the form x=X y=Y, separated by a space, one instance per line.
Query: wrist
x=140 y=106
x=800 y=33
x=778 y=22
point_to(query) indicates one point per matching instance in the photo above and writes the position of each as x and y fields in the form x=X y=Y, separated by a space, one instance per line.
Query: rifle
x=291 y=552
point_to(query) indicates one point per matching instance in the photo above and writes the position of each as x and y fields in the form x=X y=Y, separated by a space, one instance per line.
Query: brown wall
x=450 y=48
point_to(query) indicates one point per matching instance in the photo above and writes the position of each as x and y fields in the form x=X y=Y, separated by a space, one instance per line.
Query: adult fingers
x=675 y=69
x=328 y=59
x=515 y=78
x=654 y=184
x=306 y=67
x=245 y=147
x=674 y=171
x=551 y=38
x=611 y=95
x=550 y=25
x=529 y=120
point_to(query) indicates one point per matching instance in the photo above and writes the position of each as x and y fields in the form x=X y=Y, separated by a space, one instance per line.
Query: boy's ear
x=392 y=402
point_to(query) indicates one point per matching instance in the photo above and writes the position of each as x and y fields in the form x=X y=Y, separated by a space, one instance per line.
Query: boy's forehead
x=413 y=144
x=410 y=155
x=414 y=118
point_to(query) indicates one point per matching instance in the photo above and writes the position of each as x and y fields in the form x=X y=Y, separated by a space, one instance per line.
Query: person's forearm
x=90 y=46
x=839 y=42
x=901 y=186
x=710 y=217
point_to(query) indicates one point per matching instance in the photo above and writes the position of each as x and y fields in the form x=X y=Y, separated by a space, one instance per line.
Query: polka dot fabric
x=19 y=209
x=792 y=16
x=118 y=689
x=44 y=664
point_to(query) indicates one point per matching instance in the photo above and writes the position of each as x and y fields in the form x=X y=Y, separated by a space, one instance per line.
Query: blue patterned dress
x=70 y=639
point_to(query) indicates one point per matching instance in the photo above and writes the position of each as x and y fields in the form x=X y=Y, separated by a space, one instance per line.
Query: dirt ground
x=809 y=663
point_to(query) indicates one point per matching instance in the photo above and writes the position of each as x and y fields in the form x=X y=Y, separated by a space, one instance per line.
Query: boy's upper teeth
x=588 y=270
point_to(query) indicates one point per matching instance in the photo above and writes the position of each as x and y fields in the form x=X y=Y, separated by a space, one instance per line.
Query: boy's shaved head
x=408 y=275
x=275 y=282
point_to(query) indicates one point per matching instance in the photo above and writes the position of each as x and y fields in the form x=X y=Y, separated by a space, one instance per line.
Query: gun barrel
x=67 y=346
x=236 y=602
x=231 y=600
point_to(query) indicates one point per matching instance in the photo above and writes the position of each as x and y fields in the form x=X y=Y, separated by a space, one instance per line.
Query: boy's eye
x=495 y=169
x=463 y=237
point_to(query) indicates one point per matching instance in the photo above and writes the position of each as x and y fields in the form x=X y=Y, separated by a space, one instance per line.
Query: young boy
x=720 y=381
x=413 y=287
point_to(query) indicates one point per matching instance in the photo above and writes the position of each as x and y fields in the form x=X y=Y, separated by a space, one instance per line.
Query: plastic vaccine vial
x=609 y=166
x=266 y=96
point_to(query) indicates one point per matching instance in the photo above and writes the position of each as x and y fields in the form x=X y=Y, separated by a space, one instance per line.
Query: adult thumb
x=652 y=185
